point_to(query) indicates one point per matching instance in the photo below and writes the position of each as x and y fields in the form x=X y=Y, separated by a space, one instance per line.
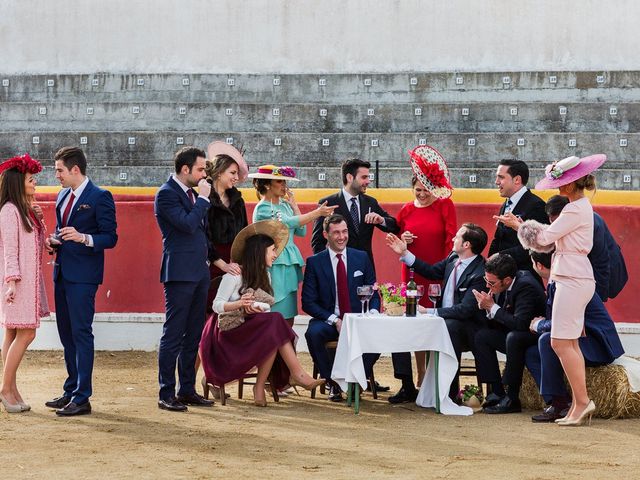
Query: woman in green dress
x=278 y=202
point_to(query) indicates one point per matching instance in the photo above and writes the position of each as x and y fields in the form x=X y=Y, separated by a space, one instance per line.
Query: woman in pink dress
x=24 y=300
x=572 y=236
x=428 y=223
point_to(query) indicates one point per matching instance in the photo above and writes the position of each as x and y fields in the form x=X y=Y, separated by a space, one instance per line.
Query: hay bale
x=530 y=393
x=608 y=387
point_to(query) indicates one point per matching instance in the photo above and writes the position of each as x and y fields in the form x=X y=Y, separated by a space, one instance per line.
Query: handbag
x=233 y=319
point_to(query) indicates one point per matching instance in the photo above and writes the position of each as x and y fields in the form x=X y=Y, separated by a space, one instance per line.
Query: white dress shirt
x=409 y=259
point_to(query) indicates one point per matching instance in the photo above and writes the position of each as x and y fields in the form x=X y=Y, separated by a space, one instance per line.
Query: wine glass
x=434 y=293
x=420 y=293
x=55 y=240
x=363 y=294
x=371 y=292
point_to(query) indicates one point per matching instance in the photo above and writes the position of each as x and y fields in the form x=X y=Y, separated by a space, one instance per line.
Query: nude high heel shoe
x=586 y=415
x=311 y=383
x=258 y=403
x=25 y=406
x=10 y=408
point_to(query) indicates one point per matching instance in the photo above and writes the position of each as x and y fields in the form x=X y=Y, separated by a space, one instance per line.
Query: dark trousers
x=546 y=369
x=513 y=344
x=185 y=305
x=317 y=335
x=75 y=307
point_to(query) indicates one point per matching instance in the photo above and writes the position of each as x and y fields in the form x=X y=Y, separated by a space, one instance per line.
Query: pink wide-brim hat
x=555 y=177
x=223 y=148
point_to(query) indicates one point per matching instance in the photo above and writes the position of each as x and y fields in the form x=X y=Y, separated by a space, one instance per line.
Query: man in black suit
x=511 y=178
x=515 y=298
x=462 y=272
x=361 y=211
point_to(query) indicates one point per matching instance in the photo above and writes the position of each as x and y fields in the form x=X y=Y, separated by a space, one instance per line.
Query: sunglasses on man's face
x=490 y=283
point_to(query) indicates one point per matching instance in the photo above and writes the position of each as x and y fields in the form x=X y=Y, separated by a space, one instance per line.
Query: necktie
x=455 y=276
x=354 y=214
x=191 y=197
x=343 y=287
x=67 y=210
x=507 y=205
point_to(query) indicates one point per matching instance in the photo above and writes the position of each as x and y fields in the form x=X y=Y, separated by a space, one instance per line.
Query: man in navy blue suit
x=324 y=298
x=86 y=222
x=181 y=214
x=600 y=346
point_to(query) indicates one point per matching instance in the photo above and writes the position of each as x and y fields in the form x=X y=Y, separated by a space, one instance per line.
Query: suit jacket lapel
x=327 y=270
x=60 y=201
x=521 y=206
x=81 y=198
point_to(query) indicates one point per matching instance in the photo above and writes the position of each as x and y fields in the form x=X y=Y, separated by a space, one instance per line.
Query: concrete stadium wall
x=294 y=36
x=132 y=269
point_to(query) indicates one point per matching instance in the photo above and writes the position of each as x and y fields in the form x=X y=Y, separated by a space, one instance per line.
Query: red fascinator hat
x=431 y=169
x=23 y=163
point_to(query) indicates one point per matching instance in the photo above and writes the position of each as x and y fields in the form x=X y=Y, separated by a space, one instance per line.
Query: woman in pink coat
x=23 y=301
x=571 y=234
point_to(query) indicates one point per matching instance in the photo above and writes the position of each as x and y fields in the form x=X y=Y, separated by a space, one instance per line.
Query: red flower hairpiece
x=23 y=163
x=432 y=171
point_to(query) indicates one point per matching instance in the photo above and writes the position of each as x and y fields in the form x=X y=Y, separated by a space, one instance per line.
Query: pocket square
x=84 y=206
x=462 y=289
x=357 y=273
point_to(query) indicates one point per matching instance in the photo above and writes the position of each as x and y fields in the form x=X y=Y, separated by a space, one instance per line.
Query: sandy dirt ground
x=127 y=436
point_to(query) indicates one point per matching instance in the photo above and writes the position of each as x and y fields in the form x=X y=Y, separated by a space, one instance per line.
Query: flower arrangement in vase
x=471 y=396
x=393 y=297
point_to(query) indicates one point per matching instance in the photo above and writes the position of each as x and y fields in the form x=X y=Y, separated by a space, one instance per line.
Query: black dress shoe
x=491 y=400
x=548 y=415
x=195 y=400
x=57 y=402
x=379 y=388
x=72 y=409
x=506 y=405
x=404 y=396
x=172 y=404
x=335 y=394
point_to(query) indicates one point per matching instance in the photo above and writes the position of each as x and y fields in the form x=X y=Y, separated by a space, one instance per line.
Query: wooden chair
x=331 y=347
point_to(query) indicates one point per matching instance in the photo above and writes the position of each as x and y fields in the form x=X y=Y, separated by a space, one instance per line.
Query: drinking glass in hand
x=55 y=240
x=363 y=294
x=434 y=293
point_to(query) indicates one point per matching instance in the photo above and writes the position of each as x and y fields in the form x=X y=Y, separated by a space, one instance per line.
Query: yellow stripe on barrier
x=400 y=195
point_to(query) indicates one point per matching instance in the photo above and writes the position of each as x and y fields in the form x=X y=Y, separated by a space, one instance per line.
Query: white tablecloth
x=384 y=334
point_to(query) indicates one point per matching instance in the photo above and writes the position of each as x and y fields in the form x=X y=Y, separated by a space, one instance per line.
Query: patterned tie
x=191 y=197
x=507 y=205
x=343 y=287
x=354 y=214
x=67 y=210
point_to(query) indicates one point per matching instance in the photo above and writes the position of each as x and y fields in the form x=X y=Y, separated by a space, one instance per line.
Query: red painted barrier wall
x=132 y=269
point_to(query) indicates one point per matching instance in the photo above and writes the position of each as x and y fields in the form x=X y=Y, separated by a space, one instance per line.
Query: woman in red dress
x=428 y=223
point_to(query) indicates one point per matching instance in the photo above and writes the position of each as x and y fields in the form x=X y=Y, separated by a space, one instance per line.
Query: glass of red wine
x=55 y=240
x=434 y=293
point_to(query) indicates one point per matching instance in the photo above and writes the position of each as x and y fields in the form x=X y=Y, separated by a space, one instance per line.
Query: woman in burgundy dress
x=264 y=339
x=428 y=223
